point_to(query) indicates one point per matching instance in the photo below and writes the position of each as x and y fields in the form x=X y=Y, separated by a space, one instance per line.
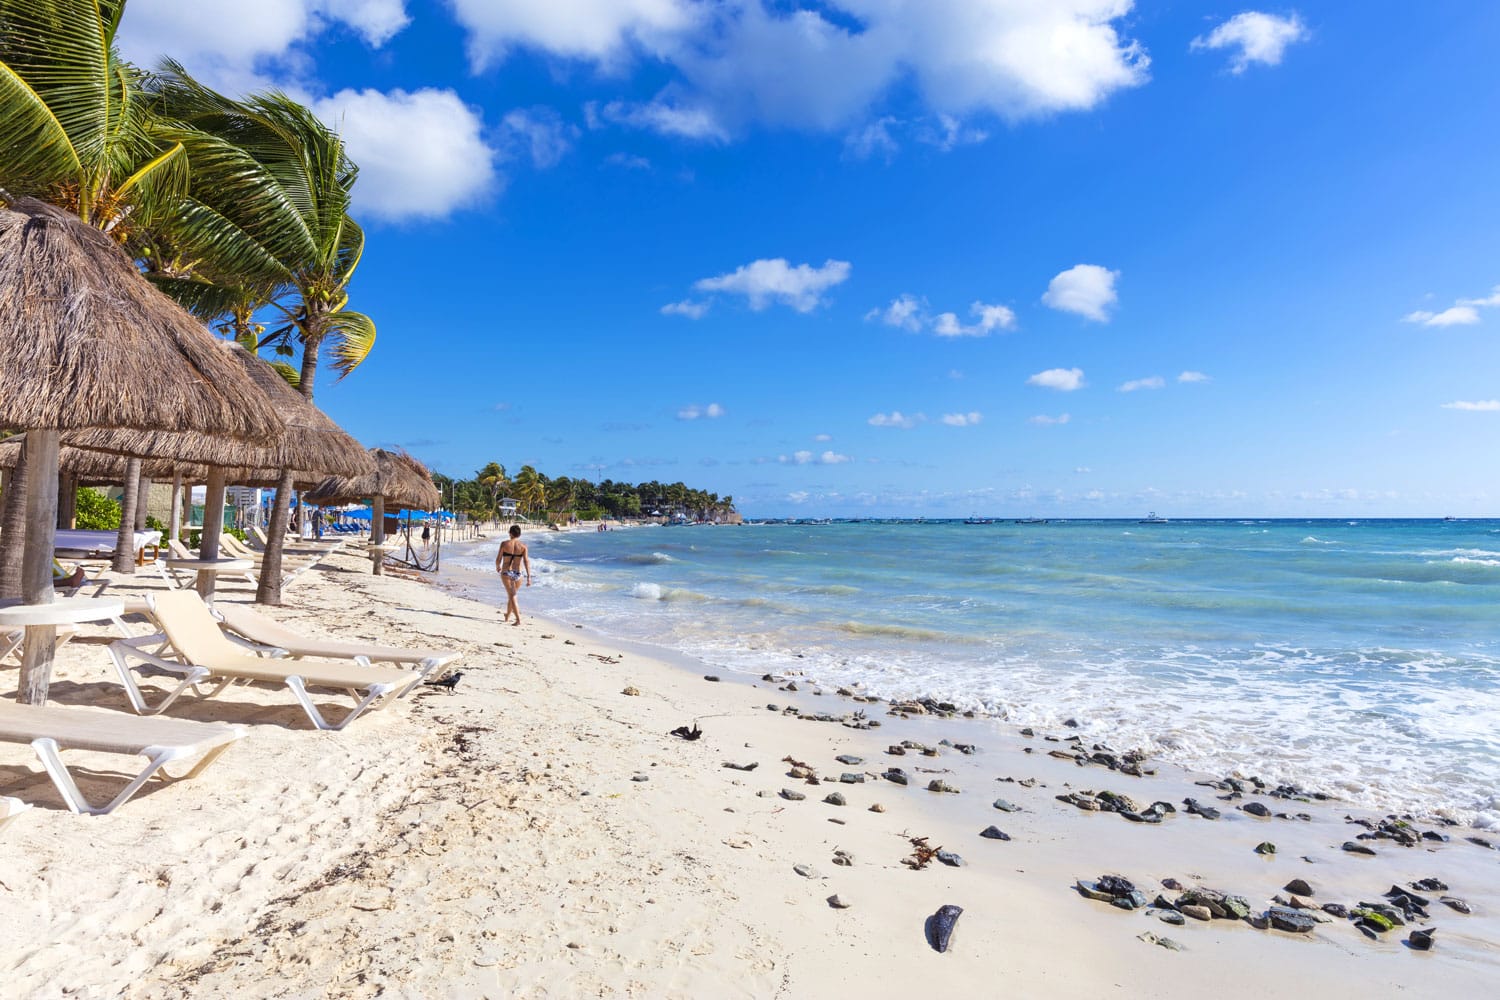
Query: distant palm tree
x=530 y=490
x=492 y=477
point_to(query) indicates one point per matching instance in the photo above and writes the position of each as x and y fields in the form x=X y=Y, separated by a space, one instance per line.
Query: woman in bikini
x=510 y=563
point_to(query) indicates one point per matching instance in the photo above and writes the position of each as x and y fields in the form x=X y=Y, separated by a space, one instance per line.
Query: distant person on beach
x=511 y=561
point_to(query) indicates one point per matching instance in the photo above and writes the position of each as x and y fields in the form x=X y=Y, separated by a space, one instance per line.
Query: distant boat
x=1031 y=520
x=978 y=520
x=1152 y=518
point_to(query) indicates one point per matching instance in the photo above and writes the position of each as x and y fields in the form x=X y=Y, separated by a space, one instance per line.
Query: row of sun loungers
x=206 y=652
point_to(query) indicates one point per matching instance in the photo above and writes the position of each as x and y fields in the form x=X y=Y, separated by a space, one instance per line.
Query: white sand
x=492 y=843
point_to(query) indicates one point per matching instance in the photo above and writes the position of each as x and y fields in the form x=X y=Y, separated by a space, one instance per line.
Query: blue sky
x=1085 y=258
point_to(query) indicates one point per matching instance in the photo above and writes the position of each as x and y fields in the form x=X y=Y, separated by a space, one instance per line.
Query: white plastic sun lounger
x=208 y=657
x=51 y=729
x=259 y=632
x=9 y=809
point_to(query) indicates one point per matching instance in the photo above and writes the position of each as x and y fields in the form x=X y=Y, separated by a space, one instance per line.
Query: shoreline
x=494 y=842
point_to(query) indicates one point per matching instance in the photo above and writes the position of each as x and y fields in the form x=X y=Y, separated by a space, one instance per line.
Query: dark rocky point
x=1421 y=940
x=1356 y=848
x=1298 y=887
x=1284 y=918
x=792 y=796
x=994 y=833
x=1453 y=902
x=1256 y=809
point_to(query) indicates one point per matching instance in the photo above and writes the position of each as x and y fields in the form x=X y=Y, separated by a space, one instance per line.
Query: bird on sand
x=450 y=682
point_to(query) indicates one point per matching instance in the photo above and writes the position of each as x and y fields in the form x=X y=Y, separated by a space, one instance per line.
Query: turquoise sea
x=1358 y=657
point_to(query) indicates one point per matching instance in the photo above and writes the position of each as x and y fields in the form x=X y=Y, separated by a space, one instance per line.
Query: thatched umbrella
x=311 y=448
x=400 y=482
x=86 y=341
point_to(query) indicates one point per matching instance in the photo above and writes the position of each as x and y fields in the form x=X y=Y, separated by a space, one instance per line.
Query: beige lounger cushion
x=195 y=635
x=258 y=628
x=110 y=732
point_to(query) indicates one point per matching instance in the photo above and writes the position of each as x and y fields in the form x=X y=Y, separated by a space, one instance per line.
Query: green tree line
x=541 y=497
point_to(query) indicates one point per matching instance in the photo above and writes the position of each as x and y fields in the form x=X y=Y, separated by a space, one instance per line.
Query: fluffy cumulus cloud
x=693 y=411
x=1043 y=420
x=238 y=46
x=1192 y=376
x=827 y=65
x=969 y=419
x=897 y=419
x=1061 y=379
x=1085 y=289
x=909 y=313
x=1254 y=37
x=822 y=438
x=767 y=282
x=1475 y=406
x=421 y=155
x=1150 y=382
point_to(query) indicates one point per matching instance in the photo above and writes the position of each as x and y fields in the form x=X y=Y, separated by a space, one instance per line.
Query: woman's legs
x=511 y=586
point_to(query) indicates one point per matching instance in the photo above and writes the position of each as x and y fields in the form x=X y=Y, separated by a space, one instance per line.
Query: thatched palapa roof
x=312 y=447
x=401 y=480
x=98 y=468
x=85 y=341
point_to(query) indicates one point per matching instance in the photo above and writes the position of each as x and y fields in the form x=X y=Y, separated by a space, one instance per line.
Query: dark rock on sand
x=897 y=775
x=1196 y=808
x=1453 y=902
x=1159 y=941
x=1091 y=890
x=1395 y=894
x=1431 y=885
x=1028 y=731
x=1356 y=848
x=742 y=767
x=791 y=795
x=850 y=778
x=1171 y=883
x=834 y=799
x=1422 y=940
x=1285 y=918
x=940 y=926
x=1007 y=807
x=938 y=785
x=1195 y=911
x=994 y=833
x=1265 y=847
x=1298 y=887
x=1336 y=910
x=837 y=902
x=1171 y=917
x=1256 y=809
x=950 y=859
x=849 y=760
x=806 y=871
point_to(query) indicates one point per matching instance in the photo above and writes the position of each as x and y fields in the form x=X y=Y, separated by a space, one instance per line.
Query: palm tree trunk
x=36 y=564
x=268 y=591
x=67 y=501
x=174 y=530
x=377 y=534
x=143 y=501
x=13 y=530
x=125 y=540
x=213 y=527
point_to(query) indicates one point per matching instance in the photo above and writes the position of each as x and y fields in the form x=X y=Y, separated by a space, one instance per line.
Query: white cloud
x=597 y=30
x=237 y=46
x=909 y=313
x=896 y=419
x=421 y=154
x=962 y=419
x=628 y=161
x=874 y=137
x=1061 y=379
x=822 y=438
x=695 y=412
x=687 y=307
x=1085 y=289
x=1452 y=316
x=1042 y=420
x=801 y=496
x=684 y=121
x=1256 y=37
x=1150 y=382
x=765 y=282
x=1488 y=302
x=541 y=132
x=1191 y=376
x=1479 y=406
x=825 y=66
x=1083 y=470
x=809 y=458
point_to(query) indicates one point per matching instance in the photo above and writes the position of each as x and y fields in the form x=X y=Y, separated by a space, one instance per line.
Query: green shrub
x=153 y=524
x=97 y=511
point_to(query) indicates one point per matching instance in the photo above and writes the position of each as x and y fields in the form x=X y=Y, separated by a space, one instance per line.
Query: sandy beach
x=540 y=833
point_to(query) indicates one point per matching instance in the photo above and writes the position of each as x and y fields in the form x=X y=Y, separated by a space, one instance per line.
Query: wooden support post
x=36 y=565
x=377 y=534
x=67 y=501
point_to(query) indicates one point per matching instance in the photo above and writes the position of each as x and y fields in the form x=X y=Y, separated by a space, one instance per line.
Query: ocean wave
x=1475 y=561
x=656 y=592
x=645 y=558
x=1314 y=540
x=893 y=631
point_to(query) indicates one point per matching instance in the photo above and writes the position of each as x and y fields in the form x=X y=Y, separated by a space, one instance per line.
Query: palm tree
x=492 y=477
x=278 y=239
x=530 y=490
